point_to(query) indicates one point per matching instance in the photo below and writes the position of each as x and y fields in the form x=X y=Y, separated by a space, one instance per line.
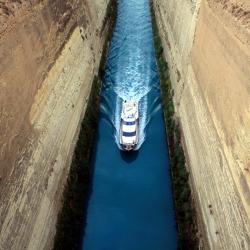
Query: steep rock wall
x=207 y=45
x=49 y=53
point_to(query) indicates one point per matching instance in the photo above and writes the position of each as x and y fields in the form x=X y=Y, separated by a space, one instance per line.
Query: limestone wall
x=207 y=45
x=49 y=53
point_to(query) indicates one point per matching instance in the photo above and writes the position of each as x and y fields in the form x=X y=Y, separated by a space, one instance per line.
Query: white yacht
x=129 y=128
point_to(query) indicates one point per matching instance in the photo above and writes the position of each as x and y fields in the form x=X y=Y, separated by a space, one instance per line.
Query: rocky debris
x=10 y=9
x=240 y=10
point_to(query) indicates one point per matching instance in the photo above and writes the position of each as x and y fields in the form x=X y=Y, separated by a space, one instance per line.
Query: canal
x=131 y=205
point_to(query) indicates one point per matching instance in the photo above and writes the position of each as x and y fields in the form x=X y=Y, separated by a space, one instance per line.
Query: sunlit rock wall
x=49 y=53
x=207 y=45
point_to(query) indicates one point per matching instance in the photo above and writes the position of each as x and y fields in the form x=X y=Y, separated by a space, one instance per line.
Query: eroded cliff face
x=207 y=45
x=49 y=53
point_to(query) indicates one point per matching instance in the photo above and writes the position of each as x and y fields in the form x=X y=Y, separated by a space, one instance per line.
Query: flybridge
x=129 y=126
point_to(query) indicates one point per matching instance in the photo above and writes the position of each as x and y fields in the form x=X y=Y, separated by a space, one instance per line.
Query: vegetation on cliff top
x=184 y=208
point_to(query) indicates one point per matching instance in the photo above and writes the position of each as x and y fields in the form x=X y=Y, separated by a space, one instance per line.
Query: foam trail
x=131 y=203
x=131 y=72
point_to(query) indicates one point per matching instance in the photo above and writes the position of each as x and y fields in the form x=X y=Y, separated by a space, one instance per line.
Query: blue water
x=130 y=205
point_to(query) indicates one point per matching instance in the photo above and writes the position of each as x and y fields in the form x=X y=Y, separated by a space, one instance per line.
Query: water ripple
x=131 y=72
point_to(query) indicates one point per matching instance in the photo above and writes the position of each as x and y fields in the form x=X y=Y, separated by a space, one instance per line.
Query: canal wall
x=206 y=44
x=49 y=52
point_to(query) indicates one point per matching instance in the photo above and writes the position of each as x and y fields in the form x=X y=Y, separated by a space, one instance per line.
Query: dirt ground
x=30 y=41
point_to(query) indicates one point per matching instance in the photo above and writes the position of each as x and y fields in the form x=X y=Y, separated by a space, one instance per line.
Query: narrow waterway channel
x=130 y=204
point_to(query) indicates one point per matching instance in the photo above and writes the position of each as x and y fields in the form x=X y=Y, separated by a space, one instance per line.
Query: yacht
x=129 y=127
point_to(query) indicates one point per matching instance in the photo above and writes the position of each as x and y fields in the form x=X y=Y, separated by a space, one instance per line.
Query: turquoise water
x=130 y=205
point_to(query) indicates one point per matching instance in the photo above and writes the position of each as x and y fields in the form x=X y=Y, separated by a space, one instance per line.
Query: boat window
x=129 y=134
x=129 y=123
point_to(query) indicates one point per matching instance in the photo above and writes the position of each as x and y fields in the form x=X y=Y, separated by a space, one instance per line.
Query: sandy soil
x=29 y=46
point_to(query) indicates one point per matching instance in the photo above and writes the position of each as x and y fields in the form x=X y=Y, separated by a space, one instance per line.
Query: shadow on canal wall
x=71 y=219
x=184 y=205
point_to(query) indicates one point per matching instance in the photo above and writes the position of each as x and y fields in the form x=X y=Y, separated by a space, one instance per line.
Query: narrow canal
x=130 y=205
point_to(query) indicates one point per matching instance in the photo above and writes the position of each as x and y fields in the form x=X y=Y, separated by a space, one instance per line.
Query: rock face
x=207 y=45
x=49 y=53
